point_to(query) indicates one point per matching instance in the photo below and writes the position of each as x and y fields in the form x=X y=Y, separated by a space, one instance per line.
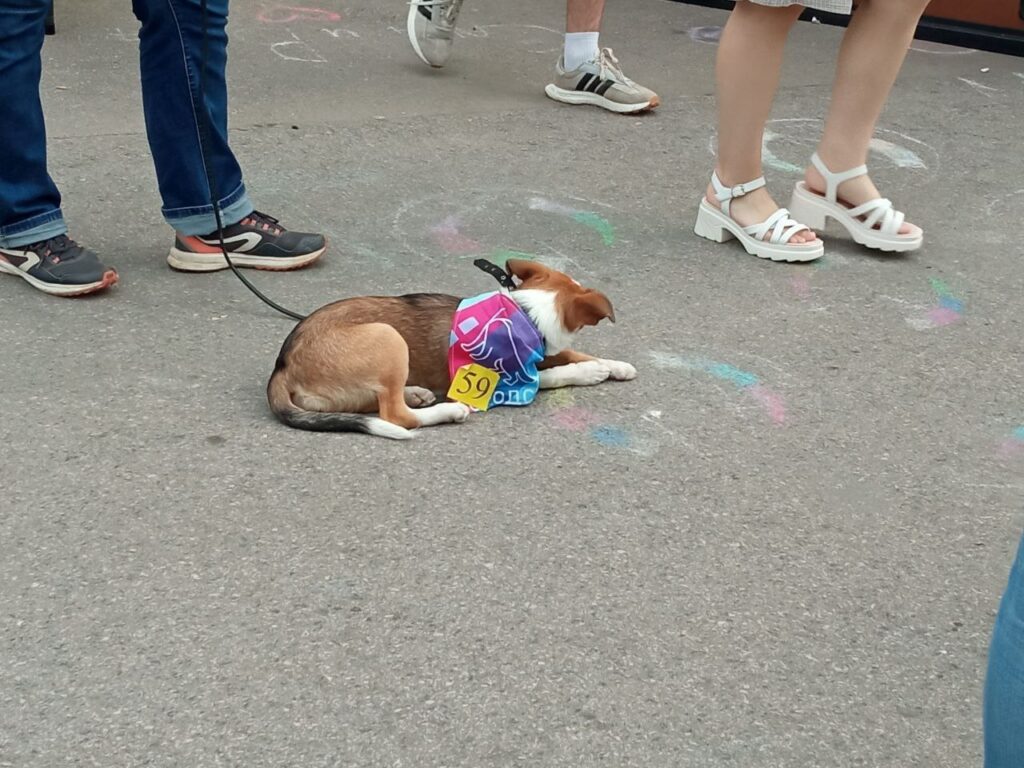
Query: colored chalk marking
x=575 y=419
x=588 y=218
x=613 y=437
x=1013 y=446
x=744 y=381
x=448 y=236
x=710 y=35
x=949 y=308
x=500 y=256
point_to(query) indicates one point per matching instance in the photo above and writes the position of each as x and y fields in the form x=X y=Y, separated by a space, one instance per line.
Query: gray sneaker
x=58 y=266
x=602 y=83
x=431 y=28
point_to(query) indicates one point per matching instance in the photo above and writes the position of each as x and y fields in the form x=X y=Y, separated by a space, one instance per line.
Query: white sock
x=580 y=47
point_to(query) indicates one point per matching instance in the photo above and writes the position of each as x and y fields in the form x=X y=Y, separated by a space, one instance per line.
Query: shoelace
x=449 y=8
x=452 y=11
x=53 y=249
x=264 y=222
x=610 y=66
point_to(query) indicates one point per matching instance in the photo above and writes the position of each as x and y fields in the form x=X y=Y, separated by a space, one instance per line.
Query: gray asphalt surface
x=782 y=545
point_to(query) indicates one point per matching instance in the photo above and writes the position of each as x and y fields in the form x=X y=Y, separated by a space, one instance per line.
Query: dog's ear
x=524 y=270
x=588 y=308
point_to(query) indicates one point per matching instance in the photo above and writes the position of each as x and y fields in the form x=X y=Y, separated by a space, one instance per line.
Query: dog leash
x=504 y=278
x=211 y=176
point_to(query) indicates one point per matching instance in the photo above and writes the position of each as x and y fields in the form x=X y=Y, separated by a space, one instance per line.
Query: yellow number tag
x=473 y=385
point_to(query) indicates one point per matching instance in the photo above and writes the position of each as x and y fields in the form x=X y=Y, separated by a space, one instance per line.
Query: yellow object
x=473 y=385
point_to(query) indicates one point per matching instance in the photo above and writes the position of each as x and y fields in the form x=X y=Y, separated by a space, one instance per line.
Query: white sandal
x=719 y=226
x=878 y=229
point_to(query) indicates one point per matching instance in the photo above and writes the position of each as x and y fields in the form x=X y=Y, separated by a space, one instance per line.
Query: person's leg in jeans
x=183 y=124
x=1004 y=684
x=33 y=237
x=586 y=74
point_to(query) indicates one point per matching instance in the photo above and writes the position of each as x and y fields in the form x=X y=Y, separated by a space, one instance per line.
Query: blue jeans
x=170 y=45
x=1004 y=685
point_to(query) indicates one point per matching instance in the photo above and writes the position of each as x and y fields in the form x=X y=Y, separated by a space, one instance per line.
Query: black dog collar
x=496 y=272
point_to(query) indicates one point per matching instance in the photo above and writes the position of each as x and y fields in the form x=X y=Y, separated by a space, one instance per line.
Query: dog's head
x=557 y=304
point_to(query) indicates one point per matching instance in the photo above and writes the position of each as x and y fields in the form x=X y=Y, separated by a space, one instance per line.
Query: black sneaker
x=257 y=241
x=58 y=266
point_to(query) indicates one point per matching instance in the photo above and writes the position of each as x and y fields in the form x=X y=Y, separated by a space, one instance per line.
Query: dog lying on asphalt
x=395 y=356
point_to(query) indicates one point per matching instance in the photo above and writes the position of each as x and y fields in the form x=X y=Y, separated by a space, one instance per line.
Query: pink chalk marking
x=447 y=236
x=1011 y=448
x=575 y=419
x=801 y=287
x=771 y=401
x=284 y=14
x=941 y=316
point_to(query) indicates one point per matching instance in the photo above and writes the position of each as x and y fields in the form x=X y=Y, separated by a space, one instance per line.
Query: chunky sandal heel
x=709 y=227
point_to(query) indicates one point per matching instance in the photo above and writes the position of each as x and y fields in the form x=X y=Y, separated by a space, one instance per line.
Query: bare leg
x=584 y=15
x=747 y=72
x=870 y=58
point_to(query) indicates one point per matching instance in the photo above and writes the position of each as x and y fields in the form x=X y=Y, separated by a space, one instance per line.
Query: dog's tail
x=289 y=413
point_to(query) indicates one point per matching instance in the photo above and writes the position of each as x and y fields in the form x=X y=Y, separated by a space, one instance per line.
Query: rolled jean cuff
x=34 y=230
x=200 y=219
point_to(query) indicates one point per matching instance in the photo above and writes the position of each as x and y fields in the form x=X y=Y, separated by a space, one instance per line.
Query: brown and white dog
x=384 y=354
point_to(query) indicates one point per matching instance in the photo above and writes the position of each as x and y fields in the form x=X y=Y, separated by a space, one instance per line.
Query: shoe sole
x=815 y=211
x=717 y=227
x=64 y=291
x=410 y=28
x=582 y=97
x=187 y=261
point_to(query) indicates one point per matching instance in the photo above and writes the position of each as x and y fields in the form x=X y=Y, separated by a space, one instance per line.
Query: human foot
x=775 y=236
x=852 y=193
x=755 y=207
x=431 y=29
x=850 y=199
x=258 y=241
x=58 y=266
x=602 y=83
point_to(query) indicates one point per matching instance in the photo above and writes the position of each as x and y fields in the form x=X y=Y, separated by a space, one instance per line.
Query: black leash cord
x=204 y=145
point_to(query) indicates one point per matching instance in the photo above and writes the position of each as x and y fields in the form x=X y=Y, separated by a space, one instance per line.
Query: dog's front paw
x=589 y=373
x=619 y=371
x=460 y=413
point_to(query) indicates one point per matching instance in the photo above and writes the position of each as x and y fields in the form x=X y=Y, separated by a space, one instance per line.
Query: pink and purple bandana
x=493 y=331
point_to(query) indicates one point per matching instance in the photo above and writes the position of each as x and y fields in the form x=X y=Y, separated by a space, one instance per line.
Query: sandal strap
x=724 y=194
x=783 y=228
x=833 y=180
x=881 y=212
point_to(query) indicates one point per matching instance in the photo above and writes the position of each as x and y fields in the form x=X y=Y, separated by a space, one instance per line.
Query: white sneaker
x=602 y=83
x=431 y=28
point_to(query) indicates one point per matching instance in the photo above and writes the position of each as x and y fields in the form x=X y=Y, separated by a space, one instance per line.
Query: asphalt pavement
x=781 y=546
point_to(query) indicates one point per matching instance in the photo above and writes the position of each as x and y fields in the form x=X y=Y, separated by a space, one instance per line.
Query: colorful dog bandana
x=492 y=331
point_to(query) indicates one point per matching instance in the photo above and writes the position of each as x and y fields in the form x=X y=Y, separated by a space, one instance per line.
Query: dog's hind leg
x=393 y=394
